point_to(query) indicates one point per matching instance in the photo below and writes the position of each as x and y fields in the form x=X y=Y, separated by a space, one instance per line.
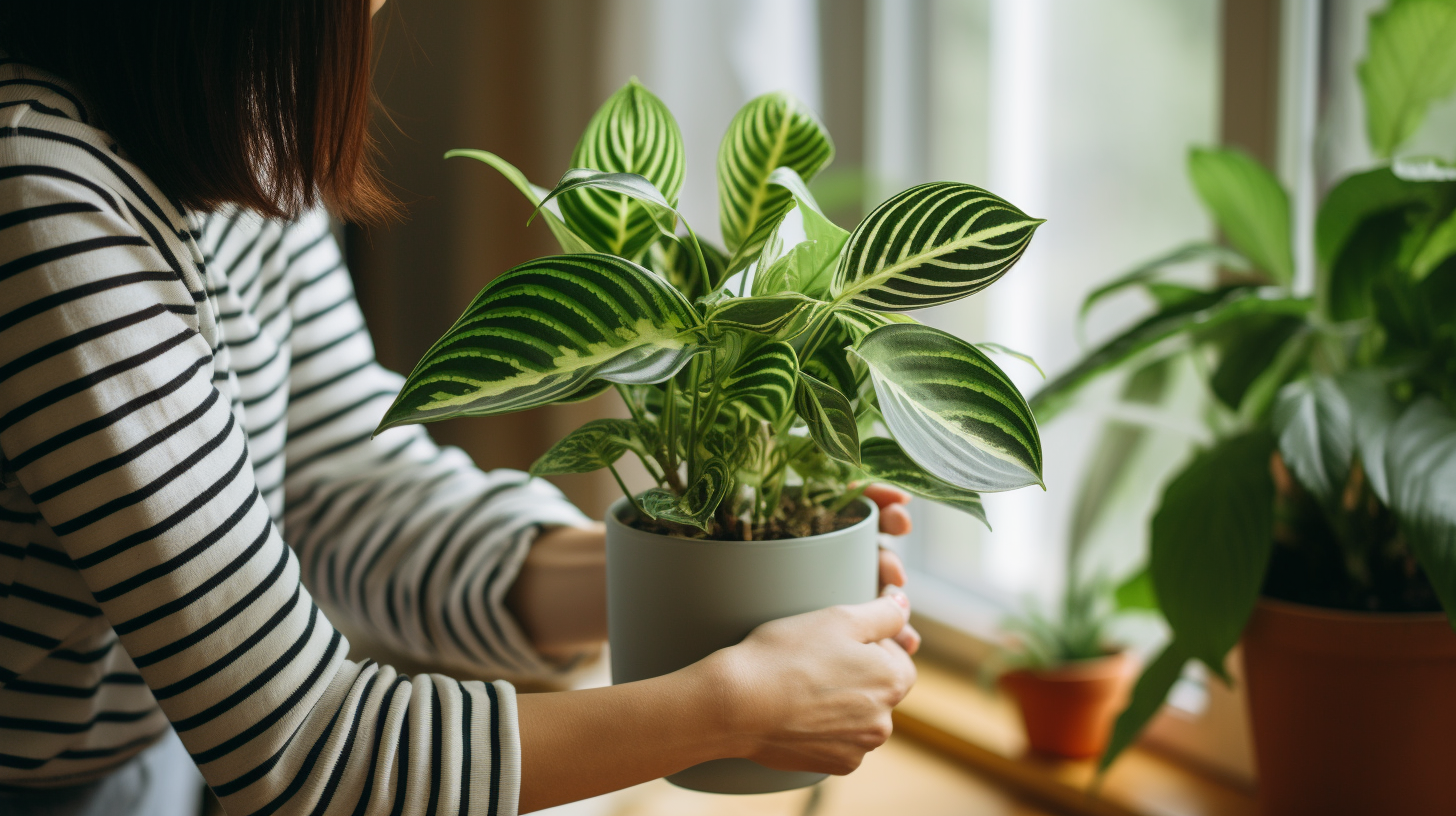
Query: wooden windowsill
x=949 y=712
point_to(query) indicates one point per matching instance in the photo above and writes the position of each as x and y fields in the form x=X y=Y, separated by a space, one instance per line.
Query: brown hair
x=264 y=103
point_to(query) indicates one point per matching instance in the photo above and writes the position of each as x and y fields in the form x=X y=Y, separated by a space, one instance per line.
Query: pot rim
x=1089 y=669
x=613 y=520
x=1310 y=611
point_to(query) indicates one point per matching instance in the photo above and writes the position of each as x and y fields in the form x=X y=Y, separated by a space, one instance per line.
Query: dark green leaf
x=1188 y=253
x=1249 y=205
x=1147 y=699
x=1358 y=197
x=883 y=460
x=952 y=409
x=1420 y=466
x=1316 y=436
x=829 y=417
x=1210 y=545
x=1170 y=325
x=1249 y=349
x=931 y=244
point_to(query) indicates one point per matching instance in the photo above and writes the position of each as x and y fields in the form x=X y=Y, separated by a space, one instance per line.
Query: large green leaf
x=1420 y=466
x=1149 y=270
x=1147 y=698
x=885 y=461
x=1175 y=324
x=1248 y=349
x=545 y=329
x=570 y=242
x=953 y=410
x=697 y=504
x=591 y=447
x=771 y=131
x=1358 y=197
x=1210 y=545
x=1249 y=205
x=829 y=416
x=632 y=132
x=931 y=244
x=1410 y=63
x=1316 y=436
x=763 y=381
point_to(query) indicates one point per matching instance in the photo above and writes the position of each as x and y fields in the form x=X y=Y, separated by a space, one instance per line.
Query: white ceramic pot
x=673 y=601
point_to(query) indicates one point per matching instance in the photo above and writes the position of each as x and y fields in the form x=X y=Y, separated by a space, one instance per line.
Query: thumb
x=880 y=619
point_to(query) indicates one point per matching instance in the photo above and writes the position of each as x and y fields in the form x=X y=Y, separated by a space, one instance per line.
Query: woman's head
x=264 y=103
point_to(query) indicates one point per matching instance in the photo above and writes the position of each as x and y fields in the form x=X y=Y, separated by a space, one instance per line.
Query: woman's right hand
x=814 y=692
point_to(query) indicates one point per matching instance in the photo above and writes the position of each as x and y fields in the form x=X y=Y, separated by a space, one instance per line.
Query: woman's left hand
x=894 y=520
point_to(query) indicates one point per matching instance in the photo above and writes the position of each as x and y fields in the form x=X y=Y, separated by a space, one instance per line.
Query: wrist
x=723 y=696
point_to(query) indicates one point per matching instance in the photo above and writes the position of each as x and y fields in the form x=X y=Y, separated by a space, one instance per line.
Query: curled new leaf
x=764 y=315
x=885 y=461
x=571 y=243
x=829 y=417
x=697 y=504
x=929 y=245
x=632 y=132
x=542 y=332
x=953 y=410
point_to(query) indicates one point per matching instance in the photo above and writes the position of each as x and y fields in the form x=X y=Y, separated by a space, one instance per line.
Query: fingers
x=880 y=619
x=903 y=668
x=894 y=520
x=908 y=639
x=885 y=495
x=892 y=569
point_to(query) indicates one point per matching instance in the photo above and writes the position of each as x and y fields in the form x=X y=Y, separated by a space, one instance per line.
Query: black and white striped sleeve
x=110 y=422
x=407 y=539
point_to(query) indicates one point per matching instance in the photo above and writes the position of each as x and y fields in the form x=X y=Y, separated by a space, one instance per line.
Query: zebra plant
x=768 y=379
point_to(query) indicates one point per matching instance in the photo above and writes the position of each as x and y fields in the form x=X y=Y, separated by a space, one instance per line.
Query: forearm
x=580 y=744
x=560 y=595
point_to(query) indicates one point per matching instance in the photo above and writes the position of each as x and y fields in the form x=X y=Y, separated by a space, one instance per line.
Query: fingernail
x=898 y=596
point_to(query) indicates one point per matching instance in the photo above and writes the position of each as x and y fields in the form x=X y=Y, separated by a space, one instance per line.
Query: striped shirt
x=189 y=492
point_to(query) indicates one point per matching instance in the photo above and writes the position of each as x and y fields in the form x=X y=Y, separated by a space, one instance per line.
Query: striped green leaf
x=829 y=416
x=591 y=447
x=772 y=131
x=570 y=242
x=632 y=132
x=764 y=315
x=696 y=505
x=763 y=382
x=607 y=235
x=931 y=244
x=955 y=413
x=885 y=461
x=542 y=332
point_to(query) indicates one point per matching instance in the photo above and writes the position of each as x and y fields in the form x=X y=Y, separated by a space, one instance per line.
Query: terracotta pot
x=1069 y=710
x=1352 y=713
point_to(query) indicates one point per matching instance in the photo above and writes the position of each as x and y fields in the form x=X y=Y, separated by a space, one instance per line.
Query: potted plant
x=1320 y=525
x=765 y=380
x=1068 y=679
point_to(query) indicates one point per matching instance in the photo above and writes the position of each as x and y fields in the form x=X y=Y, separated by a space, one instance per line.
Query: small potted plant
x=1320 y=525
x=765 y=381
x=1068 y=679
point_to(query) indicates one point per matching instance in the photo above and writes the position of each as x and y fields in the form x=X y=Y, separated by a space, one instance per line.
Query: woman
x=186 y=397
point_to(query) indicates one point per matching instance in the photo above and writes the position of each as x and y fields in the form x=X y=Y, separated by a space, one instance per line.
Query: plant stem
x=626 y=492
x=702 y=262
x=846 y=498
x=695 y=376
x=669 y=423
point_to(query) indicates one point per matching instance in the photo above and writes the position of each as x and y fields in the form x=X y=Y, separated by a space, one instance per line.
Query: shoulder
x=51 y=147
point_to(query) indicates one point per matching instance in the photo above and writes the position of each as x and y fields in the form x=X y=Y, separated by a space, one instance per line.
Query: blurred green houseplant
x=765 y=378
x=1332 y=480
